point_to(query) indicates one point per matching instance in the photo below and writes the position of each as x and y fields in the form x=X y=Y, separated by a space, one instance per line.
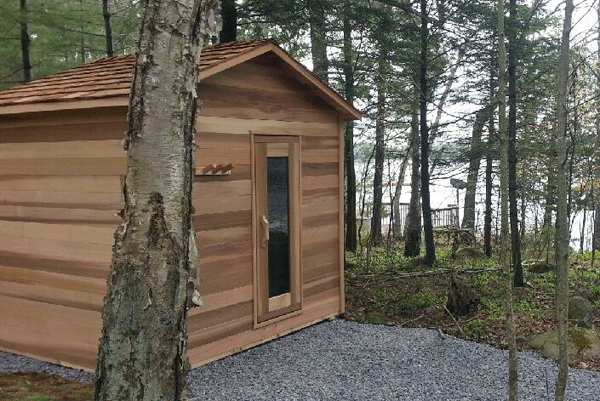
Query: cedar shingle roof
x=107 y=77
x=106 y=82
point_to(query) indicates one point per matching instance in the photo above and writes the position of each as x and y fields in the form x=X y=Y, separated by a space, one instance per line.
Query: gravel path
x=341 y=360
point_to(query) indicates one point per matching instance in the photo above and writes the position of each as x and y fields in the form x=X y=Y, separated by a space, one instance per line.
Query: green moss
x=579 y=338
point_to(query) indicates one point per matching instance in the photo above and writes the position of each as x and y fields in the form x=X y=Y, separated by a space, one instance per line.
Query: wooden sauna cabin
x=268 y=195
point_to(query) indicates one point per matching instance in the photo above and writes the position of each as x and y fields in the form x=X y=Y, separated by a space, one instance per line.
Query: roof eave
x=113 y=101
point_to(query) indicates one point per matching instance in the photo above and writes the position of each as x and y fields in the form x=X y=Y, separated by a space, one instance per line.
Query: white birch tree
x=152 y=283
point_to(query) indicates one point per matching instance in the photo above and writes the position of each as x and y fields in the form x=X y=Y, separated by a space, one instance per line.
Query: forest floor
x=42 y=387
x=383 y=287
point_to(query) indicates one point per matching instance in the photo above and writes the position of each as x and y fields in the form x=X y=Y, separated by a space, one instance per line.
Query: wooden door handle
x=265 y=233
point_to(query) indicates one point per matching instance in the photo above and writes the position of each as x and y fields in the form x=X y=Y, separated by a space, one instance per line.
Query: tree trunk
x=412 y=245
x=475 y=159
x=397 y=223
x=582 y=233
x=25 y=40
x=350 y=209
x=229 y=15
x=107 y=29
x=82 y=36
x=487 y=221
x=561 y=241
x=504 y=228
x=512 y=147
x=596 y=223
x=153 y=277
x=376 y=216
x=318 y=39
x=425 y=196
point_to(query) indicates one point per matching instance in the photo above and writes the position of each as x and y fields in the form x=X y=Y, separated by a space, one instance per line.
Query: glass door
x=277 y=189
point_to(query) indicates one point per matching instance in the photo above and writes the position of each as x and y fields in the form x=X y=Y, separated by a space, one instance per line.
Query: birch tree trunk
x=107 y=29
x=152 y=282
x=561 y=241
x=504 y=228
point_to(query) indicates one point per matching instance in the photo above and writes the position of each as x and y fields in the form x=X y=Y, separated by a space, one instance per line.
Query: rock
x=462 y=297
x=470 y=252
x=581 y=311
x=541 y=267
x=547 y=344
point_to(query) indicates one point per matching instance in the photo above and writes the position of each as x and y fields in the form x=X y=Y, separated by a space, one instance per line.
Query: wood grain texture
x=52 y=332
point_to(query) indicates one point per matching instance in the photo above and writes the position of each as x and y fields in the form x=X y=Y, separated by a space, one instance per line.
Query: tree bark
x=376 y=216
x=229 y=15
x=318 y=39
x=153 y=277
x=475 y=159
x=25 y=41
x=412 y=244
x=561 y=241
x=512 y=147
x=487 y=221
x=350 y=209
x=596 y=223
x=425 y=195
x=397 y=223
x=107 y=29
x=504 y=226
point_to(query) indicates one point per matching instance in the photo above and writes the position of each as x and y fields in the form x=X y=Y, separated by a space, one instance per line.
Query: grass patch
x=42 y=387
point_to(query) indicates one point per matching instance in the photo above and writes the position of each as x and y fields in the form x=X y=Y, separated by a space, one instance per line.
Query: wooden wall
x=259 y=97
x=59 y=191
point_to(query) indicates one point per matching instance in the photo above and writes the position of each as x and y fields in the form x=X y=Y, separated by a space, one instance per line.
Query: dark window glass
x=279 y=227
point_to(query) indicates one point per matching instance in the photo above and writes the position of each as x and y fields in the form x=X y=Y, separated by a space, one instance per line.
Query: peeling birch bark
x=142 y=352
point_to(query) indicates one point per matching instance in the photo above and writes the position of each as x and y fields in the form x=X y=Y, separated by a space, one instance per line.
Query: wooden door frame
x=262 y=316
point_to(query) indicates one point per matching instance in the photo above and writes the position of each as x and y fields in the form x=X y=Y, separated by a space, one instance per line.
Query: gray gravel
x=341 y=360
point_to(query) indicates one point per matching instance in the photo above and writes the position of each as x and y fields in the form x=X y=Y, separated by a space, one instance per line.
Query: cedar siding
x=60 y=174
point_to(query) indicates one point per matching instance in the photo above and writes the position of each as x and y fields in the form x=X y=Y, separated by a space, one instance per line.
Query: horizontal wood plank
x=241 y=126
x=110 y=149
x=82 y=131
x=71 y=200
x=52 y=264
x=48 y=249
x=89 y=184
x=50 y=331
x=64 y=167
x=218 y=316
x=319 y=169
x=56 y=216
x=223 y=299
x=204 y=205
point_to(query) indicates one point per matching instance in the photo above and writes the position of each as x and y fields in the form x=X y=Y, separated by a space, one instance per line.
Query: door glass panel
x=279 y=227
